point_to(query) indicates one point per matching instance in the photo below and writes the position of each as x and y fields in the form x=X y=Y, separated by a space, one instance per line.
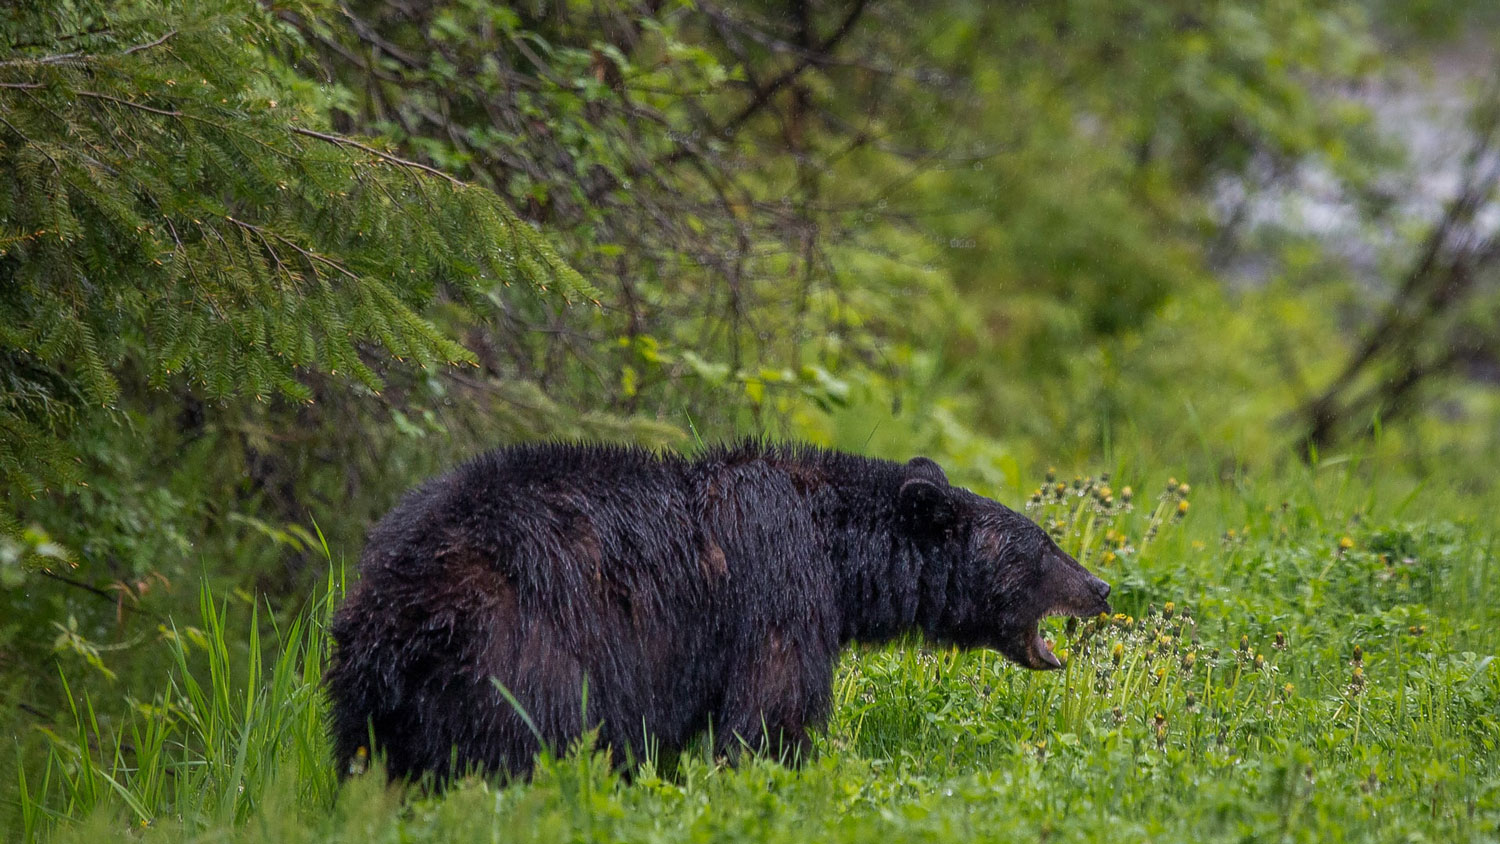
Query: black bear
x=541 y=591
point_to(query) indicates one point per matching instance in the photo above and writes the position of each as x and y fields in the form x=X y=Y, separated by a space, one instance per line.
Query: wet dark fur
x=686 y=594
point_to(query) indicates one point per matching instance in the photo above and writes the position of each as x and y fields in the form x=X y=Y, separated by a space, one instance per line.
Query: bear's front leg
x=776 y=693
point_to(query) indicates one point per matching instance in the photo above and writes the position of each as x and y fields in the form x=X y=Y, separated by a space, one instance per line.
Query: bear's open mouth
x=1039 y=653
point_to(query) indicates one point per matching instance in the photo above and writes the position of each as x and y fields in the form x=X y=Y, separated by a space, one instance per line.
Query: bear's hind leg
x=775 y=696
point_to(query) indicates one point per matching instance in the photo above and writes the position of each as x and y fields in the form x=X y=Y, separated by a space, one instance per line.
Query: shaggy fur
x=654 y=597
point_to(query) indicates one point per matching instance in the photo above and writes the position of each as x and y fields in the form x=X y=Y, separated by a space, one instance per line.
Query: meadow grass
x=1308 y=658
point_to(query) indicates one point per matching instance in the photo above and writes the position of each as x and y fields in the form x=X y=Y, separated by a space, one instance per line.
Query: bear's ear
x=926 y=500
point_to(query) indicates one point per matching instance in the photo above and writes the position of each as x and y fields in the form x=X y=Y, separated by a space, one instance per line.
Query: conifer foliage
x=175 y=210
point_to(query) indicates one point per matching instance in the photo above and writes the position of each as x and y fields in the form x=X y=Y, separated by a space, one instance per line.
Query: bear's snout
x=1075 y=589
x=1101 y=592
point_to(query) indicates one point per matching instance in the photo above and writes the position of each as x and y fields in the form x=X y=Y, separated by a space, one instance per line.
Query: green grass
x=1298 y=688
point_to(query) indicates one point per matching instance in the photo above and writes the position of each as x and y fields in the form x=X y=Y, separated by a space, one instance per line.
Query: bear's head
x=1011 y=572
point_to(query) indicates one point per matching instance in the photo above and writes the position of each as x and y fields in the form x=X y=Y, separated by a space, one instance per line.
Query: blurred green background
x=263 y=266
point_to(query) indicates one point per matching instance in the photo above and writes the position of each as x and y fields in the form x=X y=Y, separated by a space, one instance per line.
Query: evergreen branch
x=70 y=36
x=82 y=58
x=139 y=194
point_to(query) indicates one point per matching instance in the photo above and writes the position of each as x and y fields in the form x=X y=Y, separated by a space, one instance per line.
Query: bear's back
x=536 y=512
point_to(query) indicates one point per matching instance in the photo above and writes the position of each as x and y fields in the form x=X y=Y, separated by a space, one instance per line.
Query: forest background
x=263 y=266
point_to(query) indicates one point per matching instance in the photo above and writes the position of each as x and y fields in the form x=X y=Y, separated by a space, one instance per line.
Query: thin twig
x=83 y=58
x=157 y=43
x=61 y=58
x=340 y=140
x=96 y=591
x=764 y=94
x=95 y=95
x=306 y=253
